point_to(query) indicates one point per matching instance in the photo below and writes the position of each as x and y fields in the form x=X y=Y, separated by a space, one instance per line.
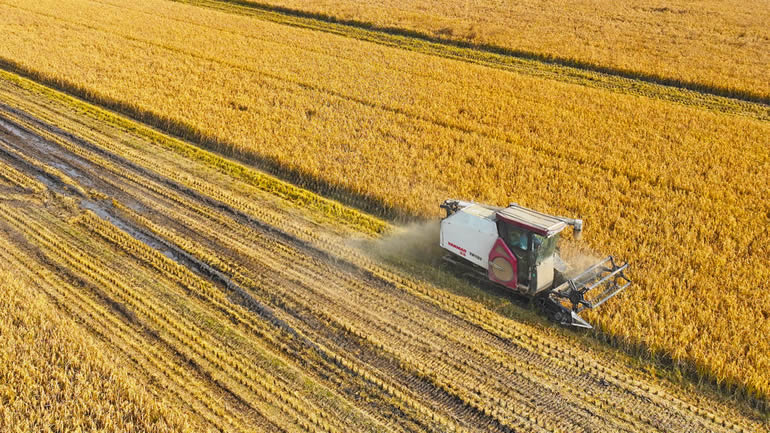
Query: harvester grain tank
x=518 y=248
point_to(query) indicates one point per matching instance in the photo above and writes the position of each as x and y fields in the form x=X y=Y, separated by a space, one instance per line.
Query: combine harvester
x=517 y=248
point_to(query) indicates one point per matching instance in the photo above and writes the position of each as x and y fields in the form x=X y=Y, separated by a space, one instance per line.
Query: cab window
x=514 y=237
x=545 y=247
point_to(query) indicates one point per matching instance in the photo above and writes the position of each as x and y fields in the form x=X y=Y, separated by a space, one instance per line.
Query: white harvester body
x=470 y=233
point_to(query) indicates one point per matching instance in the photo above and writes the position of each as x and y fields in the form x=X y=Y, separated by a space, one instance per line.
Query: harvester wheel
x=558 y=316
x=551 y=310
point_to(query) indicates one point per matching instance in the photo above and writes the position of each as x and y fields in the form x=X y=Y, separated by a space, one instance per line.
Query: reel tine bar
x=605 y=273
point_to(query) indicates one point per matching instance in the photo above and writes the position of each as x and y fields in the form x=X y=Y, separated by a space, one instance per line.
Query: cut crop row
x=180 y=332
x=86 y=309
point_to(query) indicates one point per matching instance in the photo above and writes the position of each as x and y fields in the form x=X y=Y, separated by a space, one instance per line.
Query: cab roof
x=534 y=221
x=482 y=211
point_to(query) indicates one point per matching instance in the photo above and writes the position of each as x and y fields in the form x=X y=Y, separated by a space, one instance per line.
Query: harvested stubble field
x=244 y=311
x=674 y=181
x=713 y=45
x=54 y=375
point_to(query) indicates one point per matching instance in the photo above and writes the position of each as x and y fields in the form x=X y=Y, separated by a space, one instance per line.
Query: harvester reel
x=575 y=296
x=606 y=276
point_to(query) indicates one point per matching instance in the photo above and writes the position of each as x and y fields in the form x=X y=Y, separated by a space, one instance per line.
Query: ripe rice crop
x=711 y=44
x=680 y=191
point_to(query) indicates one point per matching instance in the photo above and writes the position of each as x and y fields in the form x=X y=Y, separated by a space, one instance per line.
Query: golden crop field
x=55 y=377
x=246 y=311
x=710 y=43
x=677 y=188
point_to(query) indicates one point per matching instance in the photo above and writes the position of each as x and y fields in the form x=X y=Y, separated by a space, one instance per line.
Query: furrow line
x=20 y=179
x=236 y=275
x=186 y=278
x=100 y=321
x=180 y=330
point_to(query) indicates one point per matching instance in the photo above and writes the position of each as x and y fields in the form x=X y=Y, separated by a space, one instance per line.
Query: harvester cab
x=518 y=248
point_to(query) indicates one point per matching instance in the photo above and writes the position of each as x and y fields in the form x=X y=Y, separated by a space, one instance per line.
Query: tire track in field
x=145 y=192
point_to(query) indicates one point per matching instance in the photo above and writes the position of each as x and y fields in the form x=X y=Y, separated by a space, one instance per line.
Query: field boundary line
x=733 y=101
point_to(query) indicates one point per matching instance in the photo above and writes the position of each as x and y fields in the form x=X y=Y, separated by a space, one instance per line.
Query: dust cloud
x=416 y=242
x=578 y=257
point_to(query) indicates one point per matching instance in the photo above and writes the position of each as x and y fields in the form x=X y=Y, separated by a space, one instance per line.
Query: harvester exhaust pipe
x=577 y=226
